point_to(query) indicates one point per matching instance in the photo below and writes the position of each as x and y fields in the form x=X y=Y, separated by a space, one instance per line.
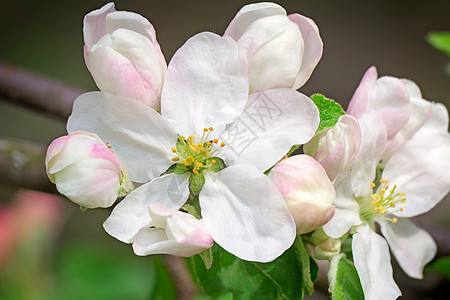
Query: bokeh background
x=65 y=254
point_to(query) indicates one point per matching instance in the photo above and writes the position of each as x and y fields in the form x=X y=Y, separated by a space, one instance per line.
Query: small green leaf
x=246 y=280
x=304 y=258
x=218 y=165
x=176 y=169
x=329 y=111
x=196 y=183
x=207 y=257
x=440 y=40
x=344 y=280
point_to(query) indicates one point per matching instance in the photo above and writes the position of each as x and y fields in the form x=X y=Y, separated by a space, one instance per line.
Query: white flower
x=410 y=182
x=308 y=192
x=172 y=232
x=281 y=51
x=204 y=100
x=123 y=55
x=86 y=170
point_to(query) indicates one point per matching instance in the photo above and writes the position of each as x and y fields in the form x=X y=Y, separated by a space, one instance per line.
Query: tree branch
x=33 y=91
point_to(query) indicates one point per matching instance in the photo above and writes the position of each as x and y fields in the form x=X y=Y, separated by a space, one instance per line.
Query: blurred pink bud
x=123 y=55
x=308 y=192
x=281 y=51
x=327 y=249
x=335 y=148
x=172 y=232
x=86 y=170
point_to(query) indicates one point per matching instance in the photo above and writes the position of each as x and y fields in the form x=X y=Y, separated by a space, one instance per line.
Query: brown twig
x=184 y=286
x=48 y=96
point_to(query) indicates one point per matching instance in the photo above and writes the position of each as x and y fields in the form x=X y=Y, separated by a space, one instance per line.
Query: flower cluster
x=198 y=150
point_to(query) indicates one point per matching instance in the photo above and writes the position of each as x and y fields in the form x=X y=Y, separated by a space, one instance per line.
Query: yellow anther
x=401 y=208
x=208 y=143
x=183 y=137
x=176 y=159
x=191 y=139
x=374 y=202
x=195 y=172
x=215 y=141
x=403 y=200
x=206 y=153
x=372 y=185
x=384 y=181
x=205 y=129
x=375 y=209
x=222 y=144
x=213 y=161
x=199 y=164
x=193 y=148
x=403 y=194
x=211 y=129
x=174 y=149
x=394 y=220
x=185 y=162
x=392 y=204
x=190 y=159
x=200 y=145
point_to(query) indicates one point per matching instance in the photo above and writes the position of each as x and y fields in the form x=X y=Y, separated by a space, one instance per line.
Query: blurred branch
x=22 y=165
x=48 y=96
x=184 y=286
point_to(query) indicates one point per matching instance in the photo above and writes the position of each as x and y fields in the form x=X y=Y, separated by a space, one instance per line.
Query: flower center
x=197 y=156
x=383 y=201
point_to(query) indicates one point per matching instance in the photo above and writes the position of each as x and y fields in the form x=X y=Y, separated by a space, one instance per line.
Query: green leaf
x=207 y=257
x=344 y=280
x=304 y=258
x=329 y=111
x=177 y=169
x=196 y=183
x=282 y=278
x=442 y=266
x=218 y=166
x=440 y=40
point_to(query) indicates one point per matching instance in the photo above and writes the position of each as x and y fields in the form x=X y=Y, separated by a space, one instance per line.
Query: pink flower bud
x=308 y=192
x=327 y=249
x=123 y=55
x=281 y=51
x=86 y=170
x=172 y=232
x=335 y=148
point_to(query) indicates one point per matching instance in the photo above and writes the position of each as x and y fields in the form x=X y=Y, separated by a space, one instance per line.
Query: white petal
x=94 y=24
x=245 y=213
x=271 y=123
x=131 y=214
x=206 y=85
x=438 y=122
x=131 y=21
x=412 y=246
x=420 y=169
x=346 y=213
x=360 y=100
x=138 y=134
x=249 y=14
x=373 y=141
x=154 y=241
x=373 y=263
x=313 y=47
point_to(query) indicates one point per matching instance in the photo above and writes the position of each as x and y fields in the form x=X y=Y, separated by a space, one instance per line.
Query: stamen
x=174 y=150
x=211 y=128
x=215 y=141
x=394 y=220
x=208 y=143
x=205 y=129
x=190 y=159
x=195 y=171
x=213 y=162
x=222 y=144
x=199 y=164
x=372 y=184
x=176 y=159
x=185 y=162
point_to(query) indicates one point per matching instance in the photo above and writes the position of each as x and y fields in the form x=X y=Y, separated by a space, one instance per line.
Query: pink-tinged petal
x=373 y=141
x=438 y=123
x=373 y=263
x=131 y=214
x=140 y=136
x=206 y=85
x=420 y=169
x=249 y=14
x=159 y=214
x=309 y=193
x=52 y=151
x=187 y=229
x=412 y=246
x=199 y=237
x=246 y=214
x=94 y=24
x=391 y=100
x=346 y=212
x=313 y=48
x=360 y=100
x=90 y=183
x=271 y=123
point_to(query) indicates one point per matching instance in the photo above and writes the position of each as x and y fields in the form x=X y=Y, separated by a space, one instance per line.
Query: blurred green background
x=81 y=260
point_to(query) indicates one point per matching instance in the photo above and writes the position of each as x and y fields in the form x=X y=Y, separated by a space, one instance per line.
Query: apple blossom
x=281 y=50
x=86 y=170
x=200 y=133
x=335 y=148
x=410 y=182
x=172 y=232
x=307 y=190
x=123 y=55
